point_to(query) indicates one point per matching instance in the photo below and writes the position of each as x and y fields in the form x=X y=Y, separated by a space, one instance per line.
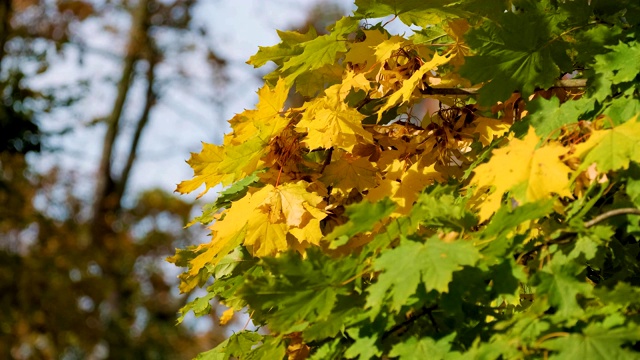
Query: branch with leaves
x=422 y=173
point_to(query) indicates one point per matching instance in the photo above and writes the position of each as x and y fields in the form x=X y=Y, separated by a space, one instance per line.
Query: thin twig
x=403 y=326
x=565 y=84
x=566 y=237
x=611 y=213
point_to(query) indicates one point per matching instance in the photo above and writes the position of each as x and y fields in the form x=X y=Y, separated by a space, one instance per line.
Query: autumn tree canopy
x=467 y=189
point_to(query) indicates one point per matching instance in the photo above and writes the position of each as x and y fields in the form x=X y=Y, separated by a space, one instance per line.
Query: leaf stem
x=550 y=336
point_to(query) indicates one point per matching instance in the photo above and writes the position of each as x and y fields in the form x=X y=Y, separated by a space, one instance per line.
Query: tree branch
x=151 y=98
x=404 y=326
x=567 y=237
x=611 y=213
x=107 y=201
x=566 y=84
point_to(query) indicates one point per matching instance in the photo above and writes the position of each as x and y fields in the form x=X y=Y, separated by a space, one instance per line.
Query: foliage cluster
x=469 y=191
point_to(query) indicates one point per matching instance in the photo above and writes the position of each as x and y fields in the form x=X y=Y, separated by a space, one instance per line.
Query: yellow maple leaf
x=611 y=149
x=329 y=122
x=403 y=187
x=261 y=220
x=227 y=315
x=456 y=29
x=265 y=238
x=243 y=148
x=346 y=172
x=531 y=174
x=293 y=200
x=408 y=86
x=353 y=81
x=489 y=128
x=386 y=48
x=364 y=52
x=205 y=168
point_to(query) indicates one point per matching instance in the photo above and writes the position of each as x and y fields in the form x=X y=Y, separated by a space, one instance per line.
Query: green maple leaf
x=621 y=64
x=558 y=281
x=596 y=342
x=200 y=306
x=320 y=51
x=292 y=292
x=217 y=353
x=622 y=108
x=517 y=52
x=290 y=46
x=272 y=348
x=611 y=149
x=548 y=116
x=425 y=348
x=410 y=12
x=431 y=263
x=364 y=347
x=441 y=207
x=362 y=217
x=242 y=342
x=622 y=294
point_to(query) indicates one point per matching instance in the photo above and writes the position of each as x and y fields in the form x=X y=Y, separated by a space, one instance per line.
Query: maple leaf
x=408 y=86
x=425 y=348
x=287 y=48
x=596 y=341
x=346 y=172
x=621 y=64
x=329 y=122
x=363 y=216
x=295 y=202
x=309 y=232
x=548 y=116
x=456 y=29
x=514 y=60
x=354 y=81
x=611 y=149
x=205 y=168
x=388 y=47
x=265 y=236
x=320 y=51
x=559 y=281
x=240 y=156
x=431 y=263
x=489 y=129
x=296 y=291
x=364 y=52
x=410 y=12
x=261 y=221
x=311 y=84
x=403 y=187
x=538 y=173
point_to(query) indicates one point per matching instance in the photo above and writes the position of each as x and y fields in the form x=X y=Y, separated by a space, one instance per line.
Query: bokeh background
x=102 y=101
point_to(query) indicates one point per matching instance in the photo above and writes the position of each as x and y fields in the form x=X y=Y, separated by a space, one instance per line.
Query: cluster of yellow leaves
x=243 y=149
x=530 y=170
x=323 y=155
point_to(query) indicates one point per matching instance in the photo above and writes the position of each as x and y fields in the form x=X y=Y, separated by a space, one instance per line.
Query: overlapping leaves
x=358 y=225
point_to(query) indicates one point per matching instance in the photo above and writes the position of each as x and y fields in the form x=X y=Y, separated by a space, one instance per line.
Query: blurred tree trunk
x=110 y=187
